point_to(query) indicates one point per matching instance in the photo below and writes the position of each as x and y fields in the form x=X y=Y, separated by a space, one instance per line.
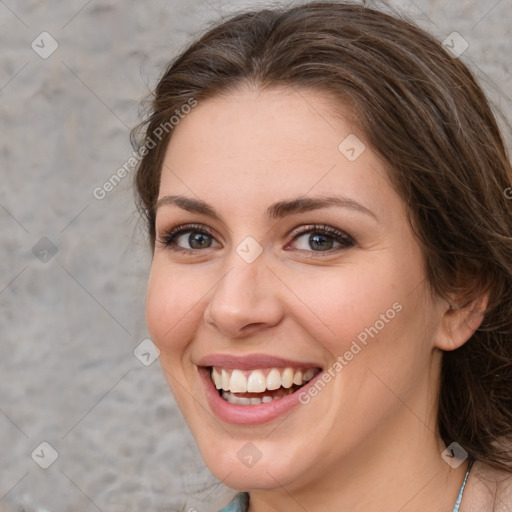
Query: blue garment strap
x=241 y=501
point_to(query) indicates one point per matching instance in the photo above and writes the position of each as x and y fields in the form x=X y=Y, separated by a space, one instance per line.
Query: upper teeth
x=258 y=381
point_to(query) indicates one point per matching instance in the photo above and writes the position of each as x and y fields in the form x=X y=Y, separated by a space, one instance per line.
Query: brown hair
x=424 y=113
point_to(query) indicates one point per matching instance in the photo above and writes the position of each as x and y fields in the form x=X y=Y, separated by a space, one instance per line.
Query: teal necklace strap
x=459 y=497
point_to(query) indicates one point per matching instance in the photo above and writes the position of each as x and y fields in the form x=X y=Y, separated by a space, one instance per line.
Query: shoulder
x=487 y=490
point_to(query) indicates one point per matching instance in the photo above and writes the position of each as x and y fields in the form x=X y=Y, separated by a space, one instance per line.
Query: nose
x=245 y=300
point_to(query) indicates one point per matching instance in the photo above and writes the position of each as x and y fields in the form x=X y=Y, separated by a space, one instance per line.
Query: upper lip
x=252 y=362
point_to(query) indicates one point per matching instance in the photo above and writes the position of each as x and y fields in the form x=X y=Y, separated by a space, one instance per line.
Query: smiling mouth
x=259 y=386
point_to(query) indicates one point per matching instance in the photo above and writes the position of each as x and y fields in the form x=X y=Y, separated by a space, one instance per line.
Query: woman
x=325 y=190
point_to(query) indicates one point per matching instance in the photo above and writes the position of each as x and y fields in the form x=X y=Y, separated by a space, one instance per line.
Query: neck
x=386 y=472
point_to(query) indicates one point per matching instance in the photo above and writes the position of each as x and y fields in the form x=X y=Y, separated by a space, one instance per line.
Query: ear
x=460 y=322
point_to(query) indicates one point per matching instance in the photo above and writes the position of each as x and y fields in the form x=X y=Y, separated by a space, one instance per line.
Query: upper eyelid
x=302 y=229
x=182 y=229
x=330 y=230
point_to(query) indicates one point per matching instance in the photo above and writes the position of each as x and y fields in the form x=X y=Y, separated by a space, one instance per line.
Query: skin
x=368 y=441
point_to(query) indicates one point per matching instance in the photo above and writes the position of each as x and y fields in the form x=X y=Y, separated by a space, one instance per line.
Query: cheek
x=348 y=302
x=372 y=315
x=171 y=308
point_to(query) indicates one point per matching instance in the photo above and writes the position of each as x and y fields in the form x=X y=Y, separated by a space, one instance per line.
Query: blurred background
x=86 y=418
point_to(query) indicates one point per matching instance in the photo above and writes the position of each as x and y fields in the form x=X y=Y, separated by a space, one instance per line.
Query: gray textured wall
x=71 y=320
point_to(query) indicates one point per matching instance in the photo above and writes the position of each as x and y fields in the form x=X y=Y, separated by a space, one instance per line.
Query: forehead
x=276 y=123
x=259 y=146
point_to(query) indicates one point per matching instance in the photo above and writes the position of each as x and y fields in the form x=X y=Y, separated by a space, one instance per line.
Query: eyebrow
x=274 y=211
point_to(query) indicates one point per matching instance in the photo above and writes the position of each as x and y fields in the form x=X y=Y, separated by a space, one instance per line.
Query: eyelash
x=168 y=239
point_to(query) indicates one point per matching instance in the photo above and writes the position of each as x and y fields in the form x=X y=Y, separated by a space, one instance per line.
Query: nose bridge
x=243 y=296
x=239 y=286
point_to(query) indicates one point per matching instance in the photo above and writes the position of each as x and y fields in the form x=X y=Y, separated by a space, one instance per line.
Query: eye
x=321 y=239
x=188 y=238
x=191 y=238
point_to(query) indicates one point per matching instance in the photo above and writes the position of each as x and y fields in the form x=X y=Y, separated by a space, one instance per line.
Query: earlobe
x=460 y=322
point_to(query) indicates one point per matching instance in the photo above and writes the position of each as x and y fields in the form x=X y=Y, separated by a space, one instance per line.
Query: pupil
x=200 y=238
x=321 y=241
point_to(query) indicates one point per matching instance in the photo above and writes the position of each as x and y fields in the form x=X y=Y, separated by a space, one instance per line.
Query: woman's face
x=299 y=283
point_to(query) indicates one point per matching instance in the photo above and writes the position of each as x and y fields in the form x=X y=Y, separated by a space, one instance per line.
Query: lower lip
x=250 y=414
